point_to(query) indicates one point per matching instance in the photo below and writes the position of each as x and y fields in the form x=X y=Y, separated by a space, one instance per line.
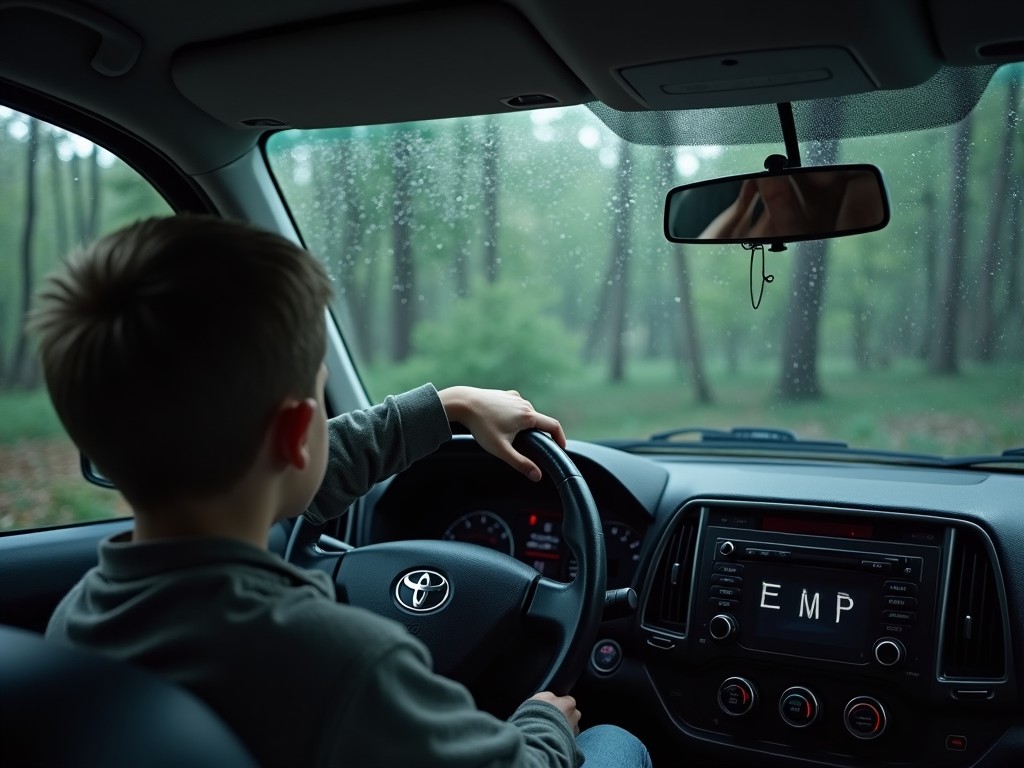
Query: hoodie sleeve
x=423 y=719
x=369 y=445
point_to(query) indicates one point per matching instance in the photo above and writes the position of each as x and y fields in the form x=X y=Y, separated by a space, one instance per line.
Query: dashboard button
x=719 y=604
x=798 y=706
x=900 y=588
x=956 y=743
x=606 y=656
x=902 y=617
x=732 y=593
x=876 y=566
x=909 y=567
x=737 y=696
x=726 y=548
x=731 y=569
x=900 y=603
x=720 y=579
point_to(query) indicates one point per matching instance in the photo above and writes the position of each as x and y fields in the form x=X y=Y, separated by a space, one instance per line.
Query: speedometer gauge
x=622 y=544
x=483 y=528
x=622 y=547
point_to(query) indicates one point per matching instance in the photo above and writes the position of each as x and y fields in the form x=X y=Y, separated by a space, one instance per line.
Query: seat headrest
x=67 y=707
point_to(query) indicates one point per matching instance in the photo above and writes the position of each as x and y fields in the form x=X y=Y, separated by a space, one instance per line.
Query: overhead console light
x=265 y=122
x=749 y=77
x=530 y=100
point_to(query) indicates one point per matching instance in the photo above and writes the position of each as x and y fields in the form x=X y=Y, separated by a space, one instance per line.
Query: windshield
x=526 y=251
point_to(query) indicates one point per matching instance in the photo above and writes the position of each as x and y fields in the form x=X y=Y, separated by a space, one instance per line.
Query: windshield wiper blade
x=761 y=440
x=772 y=439
x=758 y=435
x=1009 y=456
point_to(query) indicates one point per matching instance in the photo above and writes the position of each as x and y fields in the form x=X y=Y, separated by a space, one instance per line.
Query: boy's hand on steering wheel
x=495 y=417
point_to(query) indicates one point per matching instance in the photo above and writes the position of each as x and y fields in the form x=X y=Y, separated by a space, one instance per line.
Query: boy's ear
x=291 y=432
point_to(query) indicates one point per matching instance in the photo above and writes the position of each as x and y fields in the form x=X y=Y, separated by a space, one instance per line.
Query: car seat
x=64 y=708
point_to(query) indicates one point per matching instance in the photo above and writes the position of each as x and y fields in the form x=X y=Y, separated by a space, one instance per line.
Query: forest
x=526 y=251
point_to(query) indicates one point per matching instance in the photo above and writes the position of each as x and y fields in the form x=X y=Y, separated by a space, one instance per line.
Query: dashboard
x=842 y=614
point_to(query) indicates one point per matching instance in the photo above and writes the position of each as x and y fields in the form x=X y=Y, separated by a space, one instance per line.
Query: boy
x=184 y=357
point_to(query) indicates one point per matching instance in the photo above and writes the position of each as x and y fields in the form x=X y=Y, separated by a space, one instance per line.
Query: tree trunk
x=861 y=354
x=490 y=181
x=60 y=203
x=339 y=197
x=799 y=376
x=690 y=348
x=618 y=297
x=985 y=316
x=95 y=188
x=931 y=270
x=78 y=201
x=23 y=368
x=944 y=358
x=403 y=285
x=1012 y=303
x=599 y=325
x=462 y=250
x=691 y=339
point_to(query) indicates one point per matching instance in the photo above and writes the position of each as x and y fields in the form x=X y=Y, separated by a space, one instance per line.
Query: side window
x=57 y=191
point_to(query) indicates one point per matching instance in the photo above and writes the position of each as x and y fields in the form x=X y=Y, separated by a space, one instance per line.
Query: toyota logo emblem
x=422 y=591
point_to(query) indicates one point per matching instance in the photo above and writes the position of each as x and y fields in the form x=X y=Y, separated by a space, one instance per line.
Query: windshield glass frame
x=511 y=324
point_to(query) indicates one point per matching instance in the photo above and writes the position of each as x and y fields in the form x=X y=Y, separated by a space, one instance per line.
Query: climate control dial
x=798 y=706
x=865 y=718
x=736 y=696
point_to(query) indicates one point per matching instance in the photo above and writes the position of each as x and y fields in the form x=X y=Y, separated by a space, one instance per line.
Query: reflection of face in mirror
x=797 y=204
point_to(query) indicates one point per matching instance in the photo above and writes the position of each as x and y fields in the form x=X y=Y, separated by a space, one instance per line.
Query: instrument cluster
x=534 y=536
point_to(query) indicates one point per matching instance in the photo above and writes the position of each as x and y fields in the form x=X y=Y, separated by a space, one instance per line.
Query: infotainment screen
x=808 y=611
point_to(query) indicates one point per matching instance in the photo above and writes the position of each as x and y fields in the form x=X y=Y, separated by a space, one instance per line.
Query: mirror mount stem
x=788 y=136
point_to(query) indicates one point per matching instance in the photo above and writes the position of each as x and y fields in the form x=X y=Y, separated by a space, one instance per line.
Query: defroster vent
x=973 y=635
x=669 y=602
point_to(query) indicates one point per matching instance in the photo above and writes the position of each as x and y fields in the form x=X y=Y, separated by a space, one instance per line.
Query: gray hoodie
x=302 y=679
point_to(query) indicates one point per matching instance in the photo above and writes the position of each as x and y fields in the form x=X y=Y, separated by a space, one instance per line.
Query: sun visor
x=982 y=31
x=438 y=63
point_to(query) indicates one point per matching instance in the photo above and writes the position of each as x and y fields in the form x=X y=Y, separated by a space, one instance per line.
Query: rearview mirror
x=92 y=474
x=779 y=206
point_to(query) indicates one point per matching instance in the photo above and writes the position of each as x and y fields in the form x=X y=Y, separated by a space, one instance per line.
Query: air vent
x=669 y=602
x=973 y=636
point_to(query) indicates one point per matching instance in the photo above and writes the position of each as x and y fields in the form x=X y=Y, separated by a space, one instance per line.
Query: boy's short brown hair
x=167 y=347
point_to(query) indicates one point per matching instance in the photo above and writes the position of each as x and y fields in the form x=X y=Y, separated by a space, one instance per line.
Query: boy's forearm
x=370 y=445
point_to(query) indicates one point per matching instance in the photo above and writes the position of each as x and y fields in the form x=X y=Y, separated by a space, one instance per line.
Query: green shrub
x=500 y=337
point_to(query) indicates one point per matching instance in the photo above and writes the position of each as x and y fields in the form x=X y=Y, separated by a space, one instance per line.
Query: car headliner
x=183 y=75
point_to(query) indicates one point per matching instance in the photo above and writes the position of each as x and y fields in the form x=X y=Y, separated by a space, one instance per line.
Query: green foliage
x=27 y=415
x=901 y=408
x=502 y=337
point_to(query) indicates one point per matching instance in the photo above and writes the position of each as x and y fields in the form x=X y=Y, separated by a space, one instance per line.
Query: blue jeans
x=608 y=746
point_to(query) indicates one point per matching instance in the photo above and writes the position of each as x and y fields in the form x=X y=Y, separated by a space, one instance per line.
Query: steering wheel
x=472 y=606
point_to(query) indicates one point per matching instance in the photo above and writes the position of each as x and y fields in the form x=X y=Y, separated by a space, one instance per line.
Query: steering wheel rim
x=483 y=582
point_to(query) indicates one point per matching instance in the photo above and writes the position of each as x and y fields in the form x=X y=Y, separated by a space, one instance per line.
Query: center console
x=813 y=634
